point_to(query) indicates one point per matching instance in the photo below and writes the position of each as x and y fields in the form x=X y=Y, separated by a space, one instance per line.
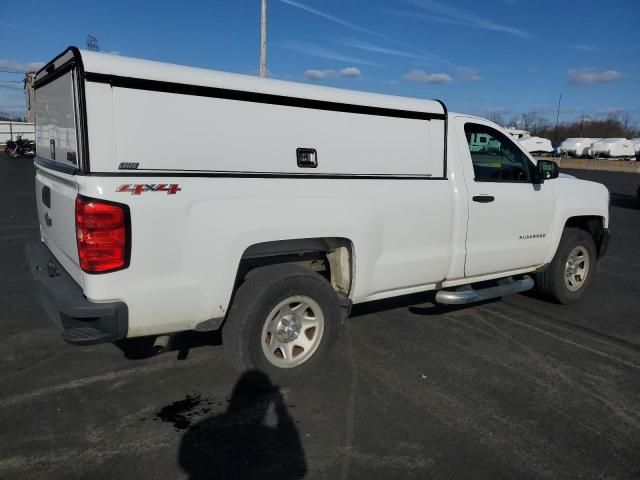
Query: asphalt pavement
x=514 y=388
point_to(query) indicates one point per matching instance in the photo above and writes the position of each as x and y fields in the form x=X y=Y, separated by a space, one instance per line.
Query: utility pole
x=263 y=40
x=557 y=119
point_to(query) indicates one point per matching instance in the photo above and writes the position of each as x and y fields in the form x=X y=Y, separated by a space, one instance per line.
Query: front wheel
x=283 y=322
x=572 y=268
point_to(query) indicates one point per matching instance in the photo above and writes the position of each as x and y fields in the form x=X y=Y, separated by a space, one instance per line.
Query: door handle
x=46 y=196
x=483 y=198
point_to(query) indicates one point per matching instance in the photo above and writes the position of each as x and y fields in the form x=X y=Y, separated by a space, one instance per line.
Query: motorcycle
x=20 y=147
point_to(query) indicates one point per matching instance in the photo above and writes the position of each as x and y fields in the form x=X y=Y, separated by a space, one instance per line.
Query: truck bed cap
x=123 y=67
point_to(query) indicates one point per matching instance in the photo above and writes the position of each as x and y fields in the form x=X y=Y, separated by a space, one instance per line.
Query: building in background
x=29 y=94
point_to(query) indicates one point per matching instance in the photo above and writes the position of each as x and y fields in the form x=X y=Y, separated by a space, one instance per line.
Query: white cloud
x=420 y=76
x=349 y=72
x=440 y=12
x=469 y=74
x=8 y=65
x=591 y=76
x=319 y=74
x=322 y=52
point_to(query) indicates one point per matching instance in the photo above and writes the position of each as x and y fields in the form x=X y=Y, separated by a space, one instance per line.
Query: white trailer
x=613 y=147
x=537 y=145
x=286 y=204
x=577 y=147
x=517 y=133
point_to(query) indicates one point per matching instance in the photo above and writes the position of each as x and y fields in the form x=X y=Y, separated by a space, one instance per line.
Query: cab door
x=510 y=216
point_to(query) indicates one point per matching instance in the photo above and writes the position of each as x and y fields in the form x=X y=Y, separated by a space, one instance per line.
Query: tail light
x=103 y=232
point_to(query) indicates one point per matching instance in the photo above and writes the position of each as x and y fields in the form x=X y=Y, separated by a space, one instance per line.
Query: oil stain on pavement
x=182 y=412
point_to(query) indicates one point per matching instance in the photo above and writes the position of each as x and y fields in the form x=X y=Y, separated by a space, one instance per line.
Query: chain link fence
x=9 y=131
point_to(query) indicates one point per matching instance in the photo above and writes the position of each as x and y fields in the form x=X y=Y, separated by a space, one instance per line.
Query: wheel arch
x=593 y=225
x=331 y=257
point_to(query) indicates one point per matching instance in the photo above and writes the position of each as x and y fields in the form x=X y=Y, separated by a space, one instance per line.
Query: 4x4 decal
x=139 y=188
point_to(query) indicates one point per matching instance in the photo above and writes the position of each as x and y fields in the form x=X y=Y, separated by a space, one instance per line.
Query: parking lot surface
x=514 y=388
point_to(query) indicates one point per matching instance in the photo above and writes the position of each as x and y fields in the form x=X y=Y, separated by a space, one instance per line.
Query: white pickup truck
x=173 y=198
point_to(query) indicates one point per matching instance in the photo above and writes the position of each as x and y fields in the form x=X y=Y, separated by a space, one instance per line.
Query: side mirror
x=546 y=170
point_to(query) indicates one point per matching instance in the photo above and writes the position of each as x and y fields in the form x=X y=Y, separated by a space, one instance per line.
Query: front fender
x=574 y=199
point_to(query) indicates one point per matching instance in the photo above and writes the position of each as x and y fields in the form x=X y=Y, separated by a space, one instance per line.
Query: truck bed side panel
x=186 y=247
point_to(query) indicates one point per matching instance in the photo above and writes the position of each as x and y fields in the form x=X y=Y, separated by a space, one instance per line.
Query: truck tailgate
x=55 y=198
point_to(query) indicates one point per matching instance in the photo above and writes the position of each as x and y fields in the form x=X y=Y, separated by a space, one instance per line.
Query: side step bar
x=467 y=294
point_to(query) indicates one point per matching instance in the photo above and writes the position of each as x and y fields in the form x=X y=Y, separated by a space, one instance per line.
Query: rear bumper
x=83 y=322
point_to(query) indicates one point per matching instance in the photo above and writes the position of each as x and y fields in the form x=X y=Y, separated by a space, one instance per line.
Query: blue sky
x=506 y=56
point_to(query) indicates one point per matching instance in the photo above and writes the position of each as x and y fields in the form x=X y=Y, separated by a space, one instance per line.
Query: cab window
x=495 y=157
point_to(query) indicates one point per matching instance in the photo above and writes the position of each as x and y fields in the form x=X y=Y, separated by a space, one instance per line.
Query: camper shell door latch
x=307 y=157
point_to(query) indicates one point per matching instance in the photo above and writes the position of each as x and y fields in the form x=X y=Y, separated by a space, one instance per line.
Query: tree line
x=616 y=124
x=4 y=116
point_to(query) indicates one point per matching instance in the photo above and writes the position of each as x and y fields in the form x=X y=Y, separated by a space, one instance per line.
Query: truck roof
x=128 y=67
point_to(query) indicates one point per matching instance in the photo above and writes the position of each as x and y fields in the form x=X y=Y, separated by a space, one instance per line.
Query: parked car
x=289 y=203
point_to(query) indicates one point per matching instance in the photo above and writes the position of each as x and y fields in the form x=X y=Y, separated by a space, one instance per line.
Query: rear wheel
x=12 y=150
x=572 y=268
x=283 y=322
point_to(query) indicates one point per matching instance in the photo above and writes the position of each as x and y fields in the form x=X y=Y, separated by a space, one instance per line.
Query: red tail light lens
x=103 y=232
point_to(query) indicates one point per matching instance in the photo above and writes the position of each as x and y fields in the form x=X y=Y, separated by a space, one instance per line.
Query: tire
x=565 y=282
x=12 y=152
x=257 y=337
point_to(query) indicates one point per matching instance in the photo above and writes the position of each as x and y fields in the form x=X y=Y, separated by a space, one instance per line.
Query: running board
x=467 y=294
